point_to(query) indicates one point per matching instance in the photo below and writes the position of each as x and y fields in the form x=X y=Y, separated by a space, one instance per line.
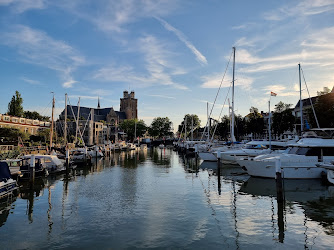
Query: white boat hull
x=290 y=170
x=207 y=156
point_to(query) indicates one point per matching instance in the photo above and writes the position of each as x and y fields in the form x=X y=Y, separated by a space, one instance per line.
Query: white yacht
x=298 y=162
x=50 y=162
x=253 y=149
x=7 y=184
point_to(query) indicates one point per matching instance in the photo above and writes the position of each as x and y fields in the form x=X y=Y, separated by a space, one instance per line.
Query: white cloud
x=163 y=96
x=20 y=6
x=36 y=47
x=157 y=64
x=184 y=39
x=214 y=81
x=304 y=8
x=30 y=81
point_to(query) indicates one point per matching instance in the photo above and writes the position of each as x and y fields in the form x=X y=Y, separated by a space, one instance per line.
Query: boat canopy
x=4 y=171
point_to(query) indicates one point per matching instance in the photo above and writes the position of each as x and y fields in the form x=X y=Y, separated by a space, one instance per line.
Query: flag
x=273 y=94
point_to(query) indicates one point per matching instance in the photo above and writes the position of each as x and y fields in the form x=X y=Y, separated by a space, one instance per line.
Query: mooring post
x=280 y=199
x=32 y=168
x=67 y=159
x=279 y=184
x=218 y=171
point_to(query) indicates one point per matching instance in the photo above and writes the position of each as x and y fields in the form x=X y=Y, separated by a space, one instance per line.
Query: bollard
x=85 y=154
x=218 y=171
x=67 y=159
x=280 y=199
x=32 y=168
x=279 y=184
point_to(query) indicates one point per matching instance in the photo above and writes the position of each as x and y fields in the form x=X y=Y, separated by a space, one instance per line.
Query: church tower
x=129 y=105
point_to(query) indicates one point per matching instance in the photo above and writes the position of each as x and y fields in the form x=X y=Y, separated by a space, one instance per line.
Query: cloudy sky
x=172 y=53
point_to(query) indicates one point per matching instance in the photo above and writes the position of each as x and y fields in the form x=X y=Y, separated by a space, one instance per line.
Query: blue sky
x=172 y=53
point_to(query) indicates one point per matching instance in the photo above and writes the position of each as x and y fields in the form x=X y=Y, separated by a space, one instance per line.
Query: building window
x=7 y=118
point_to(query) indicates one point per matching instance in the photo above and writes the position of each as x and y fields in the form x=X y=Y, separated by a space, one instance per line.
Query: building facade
x=99 y=124
x=25 y=125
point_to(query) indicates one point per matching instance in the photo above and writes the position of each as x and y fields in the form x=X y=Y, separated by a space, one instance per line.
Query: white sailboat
x=210 y=153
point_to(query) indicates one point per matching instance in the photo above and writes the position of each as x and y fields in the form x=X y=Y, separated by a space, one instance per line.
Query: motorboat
x=50 y=162
x=14 y=167
x=330 y=170
x=7 y=184
x=298 y=162
x=254 y=148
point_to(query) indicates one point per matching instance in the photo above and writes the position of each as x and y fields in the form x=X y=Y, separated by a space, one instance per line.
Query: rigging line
x=75 y=119
x=81 y=132
x=47 y=107
x=221 y=111
x=221 y=82
x=315 y=115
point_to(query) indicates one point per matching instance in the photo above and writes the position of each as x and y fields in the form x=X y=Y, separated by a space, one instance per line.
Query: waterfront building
x=26 y=125
x=100 y=124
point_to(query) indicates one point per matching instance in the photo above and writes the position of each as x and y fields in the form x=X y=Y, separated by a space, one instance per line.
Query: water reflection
x=5 y=207
x=315 y=199
x=159 y=199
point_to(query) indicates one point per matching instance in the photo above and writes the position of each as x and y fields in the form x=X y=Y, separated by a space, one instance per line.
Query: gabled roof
x=99 y=114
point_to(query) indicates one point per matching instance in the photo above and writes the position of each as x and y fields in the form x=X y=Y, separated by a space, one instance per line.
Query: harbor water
x=160 y=199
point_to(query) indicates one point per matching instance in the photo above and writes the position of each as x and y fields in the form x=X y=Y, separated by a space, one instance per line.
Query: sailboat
x=211 y=153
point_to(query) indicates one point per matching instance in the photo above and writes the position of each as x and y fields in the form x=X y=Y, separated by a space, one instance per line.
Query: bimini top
x=4 y=171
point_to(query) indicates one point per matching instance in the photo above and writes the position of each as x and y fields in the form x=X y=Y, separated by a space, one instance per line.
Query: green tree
x=132 y=127
x=12 y=134
x=160 y=127
x=324 y=109
x=193 y=122
x=254 y=122
x=325 y=91
x=282 y=119
x=35 y=116
x=223 y=128
x=15 y=105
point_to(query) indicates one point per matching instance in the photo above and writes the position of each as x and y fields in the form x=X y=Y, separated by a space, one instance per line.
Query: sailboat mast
x=77 y=125
x=232 y=120
x=300 y=101
x=65 y=121
x=51 y=131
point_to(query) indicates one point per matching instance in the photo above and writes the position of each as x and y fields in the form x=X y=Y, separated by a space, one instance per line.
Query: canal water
x=160 y=199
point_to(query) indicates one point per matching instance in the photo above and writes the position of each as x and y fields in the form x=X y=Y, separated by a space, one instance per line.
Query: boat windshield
x=298 y=150
x=252 y=146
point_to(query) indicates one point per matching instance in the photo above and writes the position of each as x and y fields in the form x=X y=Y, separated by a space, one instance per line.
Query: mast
x=269 y=125
x=77 y=125
x=65 y=121
x=207 y=113
x=300 y=102
x=51 y=131
x=232 y=120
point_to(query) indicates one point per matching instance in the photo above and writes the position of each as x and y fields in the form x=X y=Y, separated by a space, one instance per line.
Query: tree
x=283 y=119
x=254 y=121
x=12 y=134
x=132 y=127
x=15 y=105
x=325 y=91
x=161 y=127
x=223 y=128
x=324 y=109
x=35 y=116
x=193 y=122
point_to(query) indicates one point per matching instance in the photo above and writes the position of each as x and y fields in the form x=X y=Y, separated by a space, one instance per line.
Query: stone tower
x=129 y=105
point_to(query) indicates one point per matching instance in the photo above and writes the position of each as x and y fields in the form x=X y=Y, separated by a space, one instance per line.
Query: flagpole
x=269 y=123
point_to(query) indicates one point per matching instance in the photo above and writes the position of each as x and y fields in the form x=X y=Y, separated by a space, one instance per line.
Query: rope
x=221 y=82
x=315 y=116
